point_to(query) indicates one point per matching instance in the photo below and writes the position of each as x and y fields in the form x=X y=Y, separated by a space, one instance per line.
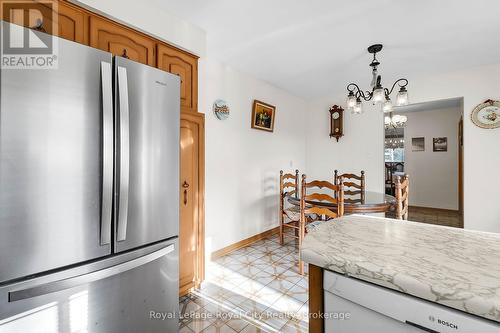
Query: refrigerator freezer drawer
x=115 y=295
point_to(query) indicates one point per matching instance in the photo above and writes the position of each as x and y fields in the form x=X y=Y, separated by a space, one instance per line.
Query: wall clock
x=487 y=114
x=336 y=122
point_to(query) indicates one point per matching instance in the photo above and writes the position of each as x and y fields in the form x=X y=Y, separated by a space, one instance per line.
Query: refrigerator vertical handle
x=107 y=152
x=121 y=232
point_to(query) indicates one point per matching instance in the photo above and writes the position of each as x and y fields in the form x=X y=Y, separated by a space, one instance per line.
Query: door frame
x=199 y=119
x=461 y=167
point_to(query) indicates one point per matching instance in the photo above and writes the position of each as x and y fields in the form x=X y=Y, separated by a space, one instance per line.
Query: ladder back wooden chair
x=354 y=187
x=308 y=209
x=402 y=197
x=289 y=216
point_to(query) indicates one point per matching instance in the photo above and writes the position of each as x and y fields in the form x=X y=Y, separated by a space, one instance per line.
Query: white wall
x=481 y=146
x=433 y=175
x=242 y=164
x=153 y=20
x=361 y=147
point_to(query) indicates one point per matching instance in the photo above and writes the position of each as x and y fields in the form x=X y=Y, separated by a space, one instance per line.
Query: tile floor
x=435 y=216
x=253 y=289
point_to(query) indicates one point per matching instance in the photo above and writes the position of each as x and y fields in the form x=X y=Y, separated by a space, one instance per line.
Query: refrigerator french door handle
x=60 y=285
x=121 y=232
x=107 y=152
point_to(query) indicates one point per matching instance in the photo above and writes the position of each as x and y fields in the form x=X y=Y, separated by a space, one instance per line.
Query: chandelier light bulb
x=351 y=101
x=387 y=107
x=387 y=120
x=358 y=108
x=402 y=97
x=378 y=95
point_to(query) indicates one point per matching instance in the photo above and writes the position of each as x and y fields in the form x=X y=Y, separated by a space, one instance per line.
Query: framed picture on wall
x=263 y=116
x=440 y=144
x=418 y=144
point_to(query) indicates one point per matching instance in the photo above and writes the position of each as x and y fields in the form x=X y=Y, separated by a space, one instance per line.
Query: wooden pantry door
x=191 y=229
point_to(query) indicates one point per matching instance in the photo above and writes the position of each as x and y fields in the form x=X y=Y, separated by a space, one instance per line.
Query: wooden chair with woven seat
x=354 y=187
x=307 y=209
x=289 y=185
x=402 y=197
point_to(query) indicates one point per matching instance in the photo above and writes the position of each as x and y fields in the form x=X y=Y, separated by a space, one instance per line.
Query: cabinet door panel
x=186 y=66
x=56 y=18
x=121 y=41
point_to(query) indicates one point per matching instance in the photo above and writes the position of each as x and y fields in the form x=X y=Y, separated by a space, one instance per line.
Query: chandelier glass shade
x=378 y=94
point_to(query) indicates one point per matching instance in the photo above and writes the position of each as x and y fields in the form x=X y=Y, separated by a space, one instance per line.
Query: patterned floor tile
x=268 y=296
x=237 y=324
x=298 y=292
x=293 y=326
x=275 y=319
x=254 y=329
x=219 y=326
x=251 y=290
x=185 y=329
x=287 y=304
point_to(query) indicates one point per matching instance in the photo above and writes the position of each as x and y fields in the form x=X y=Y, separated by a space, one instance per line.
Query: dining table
x=369 y=202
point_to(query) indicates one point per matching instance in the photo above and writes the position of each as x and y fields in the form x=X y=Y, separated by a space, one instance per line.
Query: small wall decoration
x=221 y=110
x=487 y=114
x=418 y=144
x=263 y=116
x=336 y=122
x=440 y=144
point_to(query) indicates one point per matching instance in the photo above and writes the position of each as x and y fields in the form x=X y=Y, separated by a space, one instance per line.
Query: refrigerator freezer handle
x=121 y=232
x=59 y=285
x=107 y=152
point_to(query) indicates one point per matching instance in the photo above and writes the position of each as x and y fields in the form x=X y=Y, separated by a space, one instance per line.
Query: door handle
x=107 y=152
x=121 y=232
x=59 y=285
x=185 y=185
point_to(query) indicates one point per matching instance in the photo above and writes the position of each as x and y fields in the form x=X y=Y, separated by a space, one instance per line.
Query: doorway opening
x=425 y=142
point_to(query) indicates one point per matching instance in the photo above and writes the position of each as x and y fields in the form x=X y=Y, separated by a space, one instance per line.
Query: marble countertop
x=454 y=267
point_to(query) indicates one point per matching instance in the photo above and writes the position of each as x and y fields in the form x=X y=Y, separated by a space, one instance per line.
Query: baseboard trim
x=437 y=209
x=242 y=243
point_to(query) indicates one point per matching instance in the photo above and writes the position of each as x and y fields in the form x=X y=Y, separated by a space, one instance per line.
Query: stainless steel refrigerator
x=89 y=205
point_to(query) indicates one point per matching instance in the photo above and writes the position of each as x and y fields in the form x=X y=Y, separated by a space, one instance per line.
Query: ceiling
x=314 y=48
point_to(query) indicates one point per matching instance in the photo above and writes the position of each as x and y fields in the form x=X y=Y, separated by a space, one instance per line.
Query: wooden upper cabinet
x=184 y=65
x=121 y=41
x=68 y=21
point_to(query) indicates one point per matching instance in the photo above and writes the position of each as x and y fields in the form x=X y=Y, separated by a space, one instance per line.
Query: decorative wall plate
x=221 y=110
x=487 y=114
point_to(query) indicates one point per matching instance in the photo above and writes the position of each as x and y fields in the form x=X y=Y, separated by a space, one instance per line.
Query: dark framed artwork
x=263 y=116
x=440 y=144
x=418 y=144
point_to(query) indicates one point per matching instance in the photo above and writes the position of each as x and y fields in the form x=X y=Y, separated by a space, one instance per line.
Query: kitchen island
x=446 y=268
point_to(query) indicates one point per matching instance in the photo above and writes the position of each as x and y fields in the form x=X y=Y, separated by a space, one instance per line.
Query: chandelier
x=394 y=142
x=378 y=93
x=395 y=121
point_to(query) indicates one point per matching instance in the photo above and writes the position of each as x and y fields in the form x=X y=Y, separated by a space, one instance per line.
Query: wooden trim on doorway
x=461 y=167
x=245 y=242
